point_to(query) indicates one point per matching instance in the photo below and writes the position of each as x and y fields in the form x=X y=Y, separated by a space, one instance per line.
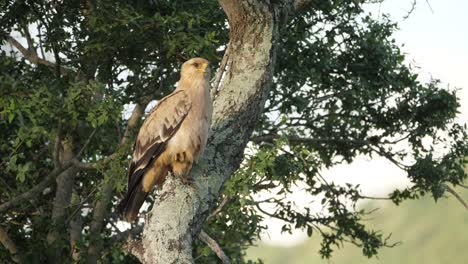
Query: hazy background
x=435 y=40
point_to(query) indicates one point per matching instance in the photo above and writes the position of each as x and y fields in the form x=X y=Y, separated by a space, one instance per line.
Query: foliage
x=341 y=90
x=416 y=224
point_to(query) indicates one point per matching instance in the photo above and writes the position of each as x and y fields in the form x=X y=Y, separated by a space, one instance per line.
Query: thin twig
x=430 y=7
x=214 y=246
x=373 y=198
x=413 y=6
x=115 y=227
x=41 y=48
x=220 y=207
x=459 y=198
x=57 y=146
x=80 y=205
x=382 y=153
x=300 y=140
x=85 y=145
x=220 y=73
x=182 y=57
x=268 y=200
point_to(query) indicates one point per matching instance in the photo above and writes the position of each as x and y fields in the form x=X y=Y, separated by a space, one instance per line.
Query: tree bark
x=57 y=235
x=179 y=210
x=76 y=227
x=99 y=215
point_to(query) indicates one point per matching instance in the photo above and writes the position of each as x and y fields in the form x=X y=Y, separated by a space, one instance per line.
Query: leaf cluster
x=341 y=90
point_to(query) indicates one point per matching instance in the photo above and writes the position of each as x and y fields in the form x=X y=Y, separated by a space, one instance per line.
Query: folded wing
x=160 y=125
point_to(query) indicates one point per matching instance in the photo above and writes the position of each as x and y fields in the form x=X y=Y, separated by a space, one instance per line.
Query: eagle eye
x=196 y=65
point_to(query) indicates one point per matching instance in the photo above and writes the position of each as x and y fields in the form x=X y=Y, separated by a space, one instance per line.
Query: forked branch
x=457 y=196
x=214 y=246
x=33 y=57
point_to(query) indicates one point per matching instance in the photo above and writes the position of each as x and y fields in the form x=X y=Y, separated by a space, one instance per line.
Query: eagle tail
x=130 y=205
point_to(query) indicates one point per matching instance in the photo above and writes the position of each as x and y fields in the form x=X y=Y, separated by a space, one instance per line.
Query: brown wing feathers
x=161 y=124
x=170 y=138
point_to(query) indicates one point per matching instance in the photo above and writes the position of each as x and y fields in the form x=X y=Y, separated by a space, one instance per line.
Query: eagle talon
x=188 y=180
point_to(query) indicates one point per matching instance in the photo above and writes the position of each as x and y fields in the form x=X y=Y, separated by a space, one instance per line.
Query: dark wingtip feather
x=121 y=206
x=130 y=205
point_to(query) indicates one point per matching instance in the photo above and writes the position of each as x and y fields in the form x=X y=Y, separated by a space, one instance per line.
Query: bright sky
x=435 y=39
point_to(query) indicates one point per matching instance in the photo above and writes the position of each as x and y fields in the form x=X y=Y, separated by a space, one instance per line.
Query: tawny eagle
x=172 y=136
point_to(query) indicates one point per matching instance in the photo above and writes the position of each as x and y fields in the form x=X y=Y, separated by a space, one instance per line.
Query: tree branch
x=457 y=196
x=36 y=190
x=133 y=246
x=220 y=73
x=56 y=172
x=430 y=7
x=413 y=7
x=29 y=39
x=132 y=123
x=33 y=57
x=299 y=140
x=93 y=165
x=61 y=203
x=99 y=214
x=220 y=207
x=76 y=227
x=86 y=143
x=9 y=245
x=388 y=156
x=374 y=198
x=301 y=4
x=214 y=246
x=39 y=33
x=57 y=146
x=125 y=235
x=136 y=249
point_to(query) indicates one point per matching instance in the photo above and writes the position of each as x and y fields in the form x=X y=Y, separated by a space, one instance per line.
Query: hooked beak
x=203 y=67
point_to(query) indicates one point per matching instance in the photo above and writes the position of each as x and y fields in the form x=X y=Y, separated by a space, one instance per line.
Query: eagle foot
x=188 y=180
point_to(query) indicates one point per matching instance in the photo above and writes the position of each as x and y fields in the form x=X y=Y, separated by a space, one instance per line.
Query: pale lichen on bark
x=180 y=210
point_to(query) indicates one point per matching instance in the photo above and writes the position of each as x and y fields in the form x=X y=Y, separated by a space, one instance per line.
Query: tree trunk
x=76 y=227
x=180 y=210
x=95 y=229
x=57 y=237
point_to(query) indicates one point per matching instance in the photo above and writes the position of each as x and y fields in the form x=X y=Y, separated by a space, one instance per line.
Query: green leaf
x=11 y=116
x=309 y=231
x=23 y=169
